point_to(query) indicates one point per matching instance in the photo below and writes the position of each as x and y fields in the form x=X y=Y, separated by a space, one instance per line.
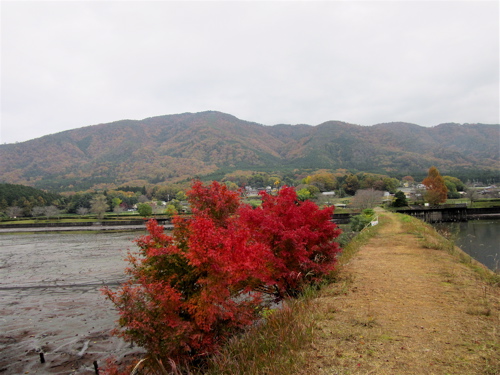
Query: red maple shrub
x=215 y=201
x=189 y=292
x=300 y=237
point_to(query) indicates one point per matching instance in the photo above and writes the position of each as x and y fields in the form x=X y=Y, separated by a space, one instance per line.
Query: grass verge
x=431 y=239
x=272 y=346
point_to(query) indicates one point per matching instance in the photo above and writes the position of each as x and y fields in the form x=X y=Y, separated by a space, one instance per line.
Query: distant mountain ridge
x=175 y=147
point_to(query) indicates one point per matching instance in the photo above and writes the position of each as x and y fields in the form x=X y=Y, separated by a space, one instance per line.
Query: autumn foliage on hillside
x=191 y=291
x=173 y=148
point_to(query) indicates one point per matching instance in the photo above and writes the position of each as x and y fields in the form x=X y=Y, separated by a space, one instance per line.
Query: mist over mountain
x=176 y=147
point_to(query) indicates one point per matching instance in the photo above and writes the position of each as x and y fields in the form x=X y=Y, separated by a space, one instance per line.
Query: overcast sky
x=69 y=64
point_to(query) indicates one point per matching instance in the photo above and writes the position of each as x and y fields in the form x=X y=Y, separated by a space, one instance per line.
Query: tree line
x=25 y=201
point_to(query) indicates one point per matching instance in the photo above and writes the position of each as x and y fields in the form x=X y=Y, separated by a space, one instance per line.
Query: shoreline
x=95 y=228
x=78 y=227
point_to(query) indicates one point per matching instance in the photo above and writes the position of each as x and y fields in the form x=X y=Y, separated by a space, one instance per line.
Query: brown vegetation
x=408 y=304
x=176 y=147
x=436 y=189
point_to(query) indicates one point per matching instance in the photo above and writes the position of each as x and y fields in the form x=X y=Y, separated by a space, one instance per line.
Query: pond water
x=50 y=300
x=478 y=238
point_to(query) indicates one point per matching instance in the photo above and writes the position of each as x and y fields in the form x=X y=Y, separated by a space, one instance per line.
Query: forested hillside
x=177 y=147
x=11 y=195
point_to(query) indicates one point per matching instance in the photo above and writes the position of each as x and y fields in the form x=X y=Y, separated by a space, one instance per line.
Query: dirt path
x=404 y=309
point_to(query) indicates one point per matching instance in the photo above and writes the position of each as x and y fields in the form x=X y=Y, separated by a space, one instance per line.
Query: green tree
x=144 y=209
x=340 y=193
x=26 y=206
x=79 y=201
x=360 y=222
x=165 y=193
x=12 y=192
x=258 y=180
x=313 y=190
x=170 y=210
x=181 y=196
x=115 y=202
x=3 y=204
x=400 y=200
x=454 y=185
x=391 y=184
x=460 y=186
x=452 y=190
x=231 y=185
x=304 y=194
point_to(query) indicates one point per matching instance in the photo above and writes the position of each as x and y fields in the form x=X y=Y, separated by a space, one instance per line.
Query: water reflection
x=478 y=238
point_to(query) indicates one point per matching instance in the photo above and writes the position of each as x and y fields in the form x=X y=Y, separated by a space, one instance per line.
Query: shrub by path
x=405 y=305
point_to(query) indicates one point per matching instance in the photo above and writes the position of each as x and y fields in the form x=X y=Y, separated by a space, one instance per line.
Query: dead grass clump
x=271 y=347
x=479 y=311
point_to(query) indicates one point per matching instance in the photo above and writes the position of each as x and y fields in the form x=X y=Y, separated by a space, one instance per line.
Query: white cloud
x=71 y=64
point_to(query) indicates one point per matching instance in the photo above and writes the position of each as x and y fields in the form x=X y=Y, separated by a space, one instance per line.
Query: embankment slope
x=405 y=305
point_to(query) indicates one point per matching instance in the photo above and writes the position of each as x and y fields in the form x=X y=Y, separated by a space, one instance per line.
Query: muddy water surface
x=50 y=301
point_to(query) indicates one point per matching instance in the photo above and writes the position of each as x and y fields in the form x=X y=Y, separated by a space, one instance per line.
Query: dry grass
x=431 y=239
x=351 y=248
x=405 y=308
x=273 y=346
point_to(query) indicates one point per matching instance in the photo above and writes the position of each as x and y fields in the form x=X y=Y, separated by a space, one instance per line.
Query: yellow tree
x=436 y=189
x=323 y=181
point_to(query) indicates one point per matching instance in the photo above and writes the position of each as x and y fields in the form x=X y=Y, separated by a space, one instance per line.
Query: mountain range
x=172 y=148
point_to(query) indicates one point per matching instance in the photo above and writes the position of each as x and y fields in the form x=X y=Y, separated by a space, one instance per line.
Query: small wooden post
x=96 y=368
x=42 y=358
